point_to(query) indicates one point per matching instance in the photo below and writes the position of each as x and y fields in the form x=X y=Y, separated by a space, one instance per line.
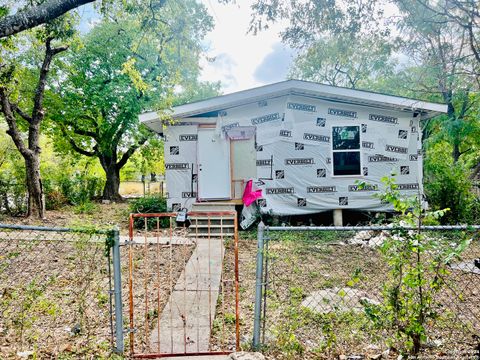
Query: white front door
x=213 y=156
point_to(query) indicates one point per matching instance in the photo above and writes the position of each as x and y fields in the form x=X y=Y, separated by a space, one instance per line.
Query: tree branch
x=130 y=152
x=20 y=112
x=37 y=15
x=471 y=43
x=74 y=145
x=37 y=112
x=464 y=152
x=13 y=131
x=82 y=132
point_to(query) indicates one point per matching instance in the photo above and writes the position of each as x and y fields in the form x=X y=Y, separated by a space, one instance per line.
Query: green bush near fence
x=149 y=205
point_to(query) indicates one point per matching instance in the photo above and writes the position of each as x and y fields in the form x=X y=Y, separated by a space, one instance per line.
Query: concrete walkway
x=187 y=318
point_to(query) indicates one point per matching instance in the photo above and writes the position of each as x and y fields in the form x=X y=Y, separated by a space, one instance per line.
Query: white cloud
x=238 y=54
x=275 y=65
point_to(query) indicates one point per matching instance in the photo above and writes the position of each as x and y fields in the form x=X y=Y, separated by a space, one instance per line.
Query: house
x=304 y=144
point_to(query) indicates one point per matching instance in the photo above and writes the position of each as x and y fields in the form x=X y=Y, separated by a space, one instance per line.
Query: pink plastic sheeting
x=250 y=195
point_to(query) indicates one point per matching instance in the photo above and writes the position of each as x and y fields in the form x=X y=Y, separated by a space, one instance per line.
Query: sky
x=242 y=60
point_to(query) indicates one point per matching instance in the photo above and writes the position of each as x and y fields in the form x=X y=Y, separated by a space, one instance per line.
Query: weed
x=418 y=264
x=87 y=207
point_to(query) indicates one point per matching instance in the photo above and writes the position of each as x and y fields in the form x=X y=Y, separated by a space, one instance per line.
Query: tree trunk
x=112 y=184
x=30 y=149
x=36 y=201
x=456 y=152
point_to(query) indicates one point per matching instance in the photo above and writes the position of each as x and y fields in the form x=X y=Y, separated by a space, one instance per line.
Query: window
x=346 y=150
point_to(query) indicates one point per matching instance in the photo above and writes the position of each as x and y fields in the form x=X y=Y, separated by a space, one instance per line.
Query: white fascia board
x=232 y=100
x=365 y=97
x=145 y=117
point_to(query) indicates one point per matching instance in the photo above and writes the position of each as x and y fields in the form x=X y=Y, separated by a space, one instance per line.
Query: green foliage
x=150 y=204
x=448 y=184
x=418 y=264
x=345 y=61
x=149 y=159
x=285 y=331
x=134 y=63
x=54 y=199
x=230 y=318
x=85 y=208
x=80 y=189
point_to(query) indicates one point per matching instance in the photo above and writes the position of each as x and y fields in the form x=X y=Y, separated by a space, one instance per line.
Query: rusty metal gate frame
x=172 y=215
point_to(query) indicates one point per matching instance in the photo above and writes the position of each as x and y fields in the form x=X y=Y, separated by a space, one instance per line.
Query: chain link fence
x=324 y=292
x=56 y=292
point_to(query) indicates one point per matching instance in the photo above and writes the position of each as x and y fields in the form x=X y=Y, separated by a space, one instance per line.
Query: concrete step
x=216 y=226
x=212 y=218
x=219 y=222
x=212 y=206
x=213 y=235
x=213 y=230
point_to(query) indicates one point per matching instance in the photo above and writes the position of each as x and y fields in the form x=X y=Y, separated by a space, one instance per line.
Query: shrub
x=13 y=197
x=81 y=188
x=54 y=199
x=448 y=185
x=149 y=205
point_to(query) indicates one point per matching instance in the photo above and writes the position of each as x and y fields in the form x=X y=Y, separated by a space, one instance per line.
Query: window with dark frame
x=346 y=150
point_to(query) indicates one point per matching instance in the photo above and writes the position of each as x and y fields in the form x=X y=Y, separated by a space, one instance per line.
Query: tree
x=341 y=43
x=44 y=12
x=344 y=61
x=437 y=41
x=126 y=67
x=309 y=20
x=22 y=101
x=460 y=13
x=33 y=16
x=446 y=69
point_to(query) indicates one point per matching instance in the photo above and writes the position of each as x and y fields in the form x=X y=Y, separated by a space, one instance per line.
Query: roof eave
x=300 y=88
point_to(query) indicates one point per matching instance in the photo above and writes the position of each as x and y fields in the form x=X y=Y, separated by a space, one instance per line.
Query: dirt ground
x=297 y=268
x=295 y=328
x=105 y=216
x=55 y=299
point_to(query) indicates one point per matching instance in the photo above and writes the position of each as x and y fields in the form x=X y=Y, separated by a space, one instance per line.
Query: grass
x=301 y=263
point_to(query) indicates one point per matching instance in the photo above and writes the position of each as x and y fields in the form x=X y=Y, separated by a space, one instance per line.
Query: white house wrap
x=311 y=145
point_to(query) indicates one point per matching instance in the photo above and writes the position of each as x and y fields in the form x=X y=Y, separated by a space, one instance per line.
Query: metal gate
x=183 y=285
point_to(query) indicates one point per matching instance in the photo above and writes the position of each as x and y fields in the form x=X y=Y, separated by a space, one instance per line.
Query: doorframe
x=238 y=200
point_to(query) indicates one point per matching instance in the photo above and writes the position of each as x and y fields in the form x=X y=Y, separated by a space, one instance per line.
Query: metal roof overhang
x=208 y=108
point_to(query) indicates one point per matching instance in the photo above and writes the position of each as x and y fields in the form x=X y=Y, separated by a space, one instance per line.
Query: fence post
x=258 y=286
x=117 y=288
